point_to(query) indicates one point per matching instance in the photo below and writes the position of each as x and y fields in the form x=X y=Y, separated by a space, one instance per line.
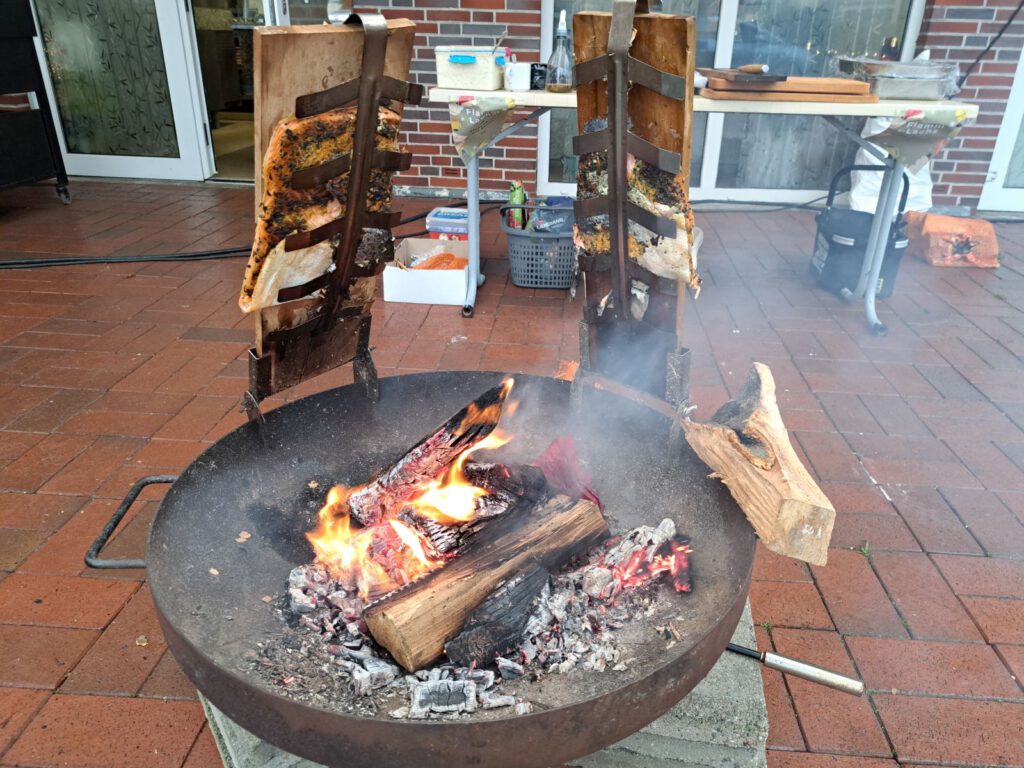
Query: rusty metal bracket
x=322 y=334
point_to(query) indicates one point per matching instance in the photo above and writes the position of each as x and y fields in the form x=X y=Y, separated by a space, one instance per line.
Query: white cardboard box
x=426 y=286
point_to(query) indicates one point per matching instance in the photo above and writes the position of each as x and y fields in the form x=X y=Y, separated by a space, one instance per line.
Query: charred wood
x=428 y=458
x=497 y=626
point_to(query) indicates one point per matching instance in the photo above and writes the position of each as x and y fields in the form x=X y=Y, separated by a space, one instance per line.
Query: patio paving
x=112 y=372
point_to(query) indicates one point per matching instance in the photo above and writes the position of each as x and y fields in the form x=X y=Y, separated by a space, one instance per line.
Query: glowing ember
x=672 y=558
x=377 y=559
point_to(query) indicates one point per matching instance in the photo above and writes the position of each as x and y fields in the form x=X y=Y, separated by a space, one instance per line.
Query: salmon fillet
x=299 y=143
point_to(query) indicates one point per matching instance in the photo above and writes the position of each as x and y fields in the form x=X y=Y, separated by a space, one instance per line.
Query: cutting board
x=795 y=85
x=735 y=76
x=832 y=98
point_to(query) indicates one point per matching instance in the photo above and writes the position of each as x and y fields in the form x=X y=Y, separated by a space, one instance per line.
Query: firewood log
x=415 y=622
x=497 y=625
x=748 y=448
x=507 y=486
x=428 y=458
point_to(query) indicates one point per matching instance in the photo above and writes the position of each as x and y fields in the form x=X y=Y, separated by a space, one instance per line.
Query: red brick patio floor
x=114 y=372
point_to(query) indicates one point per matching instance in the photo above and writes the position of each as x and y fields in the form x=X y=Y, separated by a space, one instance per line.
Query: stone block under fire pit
x=722 y=723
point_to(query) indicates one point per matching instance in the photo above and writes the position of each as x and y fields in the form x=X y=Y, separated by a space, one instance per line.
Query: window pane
x=562 y=163
x=798 y=37
x=107 y=68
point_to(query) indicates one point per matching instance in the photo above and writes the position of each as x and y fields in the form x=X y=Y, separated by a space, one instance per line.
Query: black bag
x=842 y=239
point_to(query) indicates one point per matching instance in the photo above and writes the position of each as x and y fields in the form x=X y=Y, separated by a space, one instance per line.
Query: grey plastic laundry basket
x=539 y=259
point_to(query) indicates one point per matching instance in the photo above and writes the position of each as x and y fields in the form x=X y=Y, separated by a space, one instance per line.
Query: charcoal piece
x=300 y=602
x=491 y=700
x=484 y=678
x=381 y=672
x=442 y=696
x=362 y=681
x=497 y=625
x=508 y=669
x=595 y=580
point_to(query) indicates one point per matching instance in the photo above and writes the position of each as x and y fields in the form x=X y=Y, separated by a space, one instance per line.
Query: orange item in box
x=951 y=241
x=443 y=260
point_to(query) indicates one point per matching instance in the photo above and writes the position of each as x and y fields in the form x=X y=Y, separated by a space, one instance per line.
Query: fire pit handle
x=92 y=558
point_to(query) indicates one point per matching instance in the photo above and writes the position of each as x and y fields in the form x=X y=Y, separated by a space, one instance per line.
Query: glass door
x=124 y=88
x=800 y=38
x=1004 y=189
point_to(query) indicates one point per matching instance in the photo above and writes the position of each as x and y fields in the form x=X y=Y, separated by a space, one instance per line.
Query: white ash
x=577 y=613
x=337 y=659
x=572 y=627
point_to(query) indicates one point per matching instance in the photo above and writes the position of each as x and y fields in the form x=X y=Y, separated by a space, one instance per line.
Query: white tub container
x=472 y=67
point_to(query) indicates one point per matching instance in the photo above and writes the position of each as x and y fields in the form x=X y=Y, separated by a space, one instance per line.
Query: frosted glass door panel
x=562 y=163
x=106 y=64
x=798 y=37
x=1015 y=171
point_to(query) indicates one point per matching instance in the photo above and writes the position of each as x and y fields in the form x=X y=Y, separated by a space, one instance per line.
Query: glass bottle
x=561 y=64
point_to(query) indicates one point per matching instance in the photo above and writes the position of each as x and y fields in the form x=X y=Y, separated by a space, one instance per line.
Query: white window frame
x=706 y=186
x=994 y=196
x=195 y=155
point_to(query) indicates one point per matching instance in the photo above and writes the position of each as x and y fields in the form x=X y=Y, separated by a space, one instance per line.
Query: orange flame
x=451 y=498
x=380 y=558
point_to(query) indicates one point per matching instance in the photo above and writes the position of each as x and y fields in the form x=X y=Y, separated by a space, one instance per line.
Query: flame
x=412 y=540
x=451 y=498
x=375 y=560
x=672 y=558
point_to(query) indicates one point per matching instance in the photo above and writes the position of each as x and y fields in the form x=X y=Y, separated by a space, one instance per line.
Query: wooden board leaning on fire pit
x=415 y=622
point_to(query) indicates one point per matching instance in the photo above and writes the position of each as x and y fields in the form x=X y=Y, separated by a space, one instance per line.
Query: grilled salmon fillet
x=301 y=143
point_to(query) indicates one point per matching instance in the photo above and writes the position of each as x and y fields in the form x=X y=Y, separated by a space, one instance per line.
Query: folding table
x=951 y=114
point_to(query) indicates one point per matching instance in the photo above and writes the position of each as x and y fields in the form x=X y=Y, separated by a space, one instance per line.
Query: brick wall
x=958 y=30
x=426 y=132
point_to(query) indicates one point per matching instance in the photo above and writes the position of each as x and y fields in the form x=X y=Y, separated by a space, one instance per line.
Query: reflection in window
x=798 y=37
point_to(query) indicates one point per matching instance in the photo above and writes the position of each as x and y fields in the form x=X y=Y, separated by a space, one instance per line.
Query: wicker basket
x=539 y=259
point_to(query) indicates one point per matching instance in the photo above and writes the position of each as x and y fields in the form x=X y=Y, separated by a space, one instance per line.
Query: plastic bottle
x=561 y=63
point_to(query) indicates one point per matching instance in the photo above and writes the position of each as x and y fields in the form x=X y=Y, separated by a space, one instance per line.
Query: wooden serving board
x=293 y=61
x=735 y=76
x=795 y=85
x=832 y=98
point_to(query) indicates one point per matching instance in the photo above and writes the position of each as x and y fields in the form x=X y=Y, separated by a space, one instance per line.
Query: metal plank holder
x=618 y=68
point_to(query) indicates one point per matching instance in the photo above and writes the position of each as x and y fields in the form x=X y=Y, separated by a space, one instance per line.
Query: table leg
x=874 y=236
x=886 y=210
x=473 y=206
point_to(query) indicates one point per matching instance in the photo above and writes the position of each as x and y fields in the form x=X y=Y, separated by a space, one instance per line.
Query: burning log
x=506 y=486
x=415 y=622
x=497 y=625
x=428 y=458
x=747 y=446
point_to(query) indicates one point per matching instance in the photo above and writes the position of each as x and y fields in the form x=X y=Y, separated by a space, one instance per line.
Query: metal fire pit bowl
x=211 y=617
